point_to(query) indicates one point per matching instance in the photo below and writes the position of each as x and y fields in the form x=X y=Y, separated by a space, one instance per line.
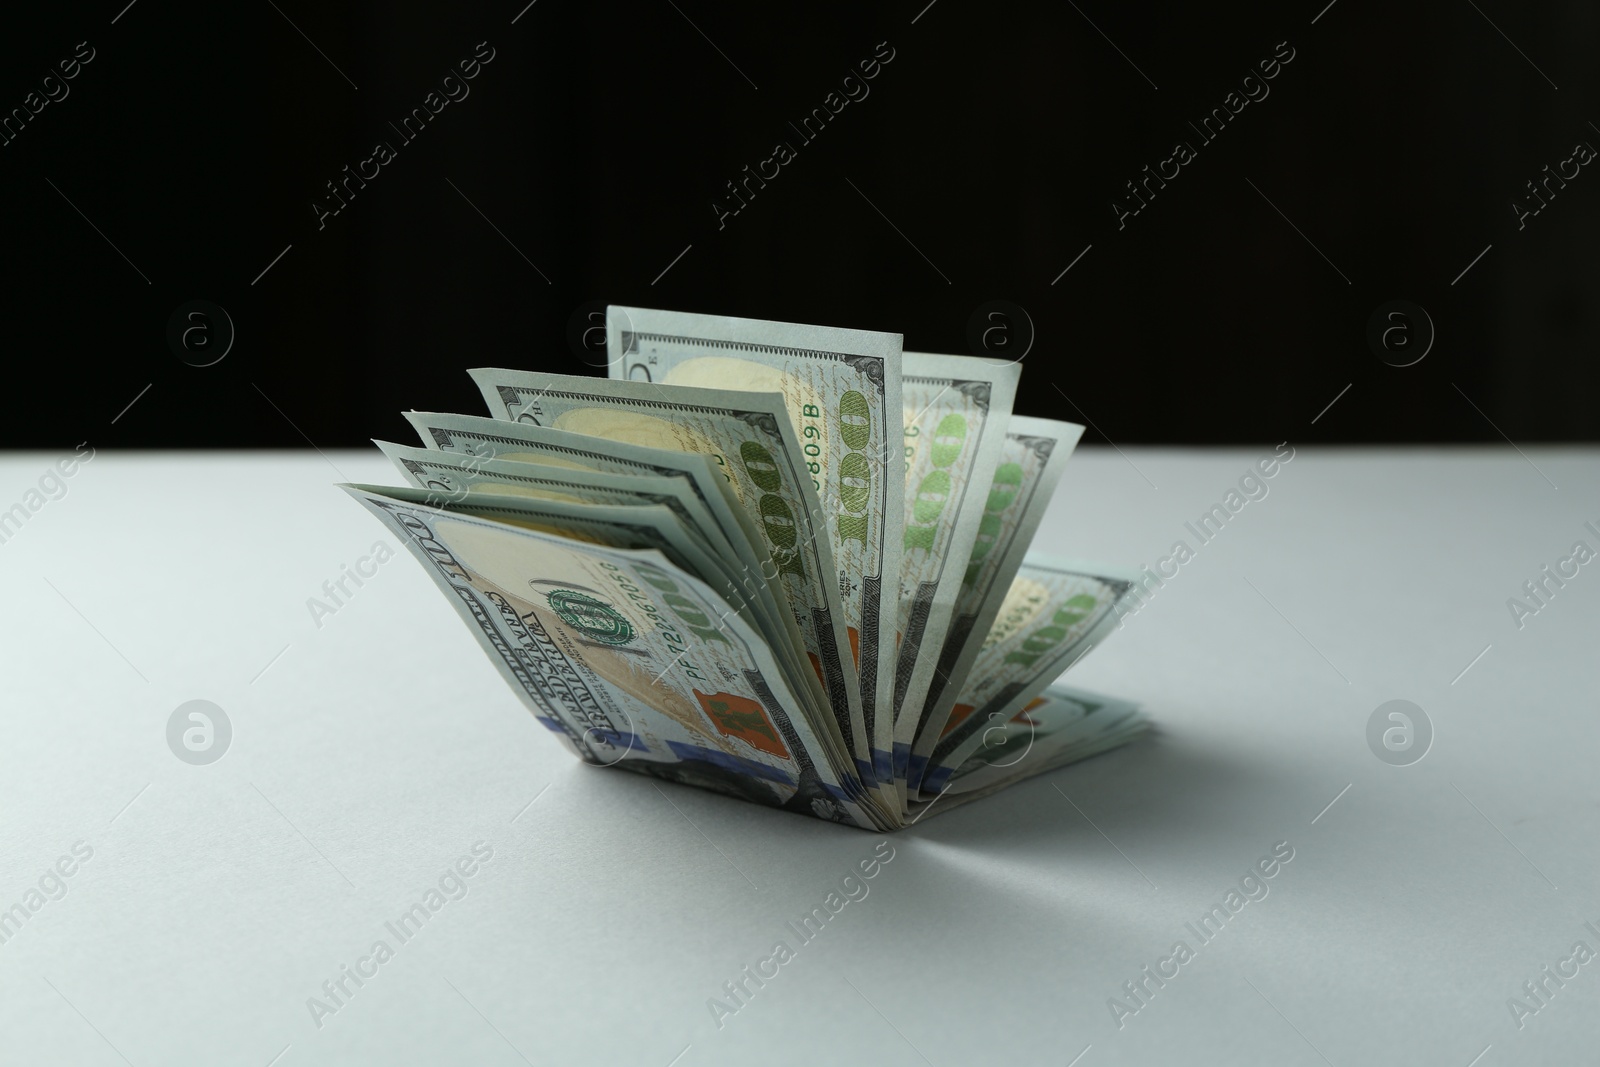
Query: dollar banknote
x=477 y=441
x=635 y=525
x=842 y=389
x=1056 y=724
x=1032 y=457
x=756 y=449
x=1060 y=726
x=453 y=475
x=1054 y=613
x=612 y=650
x=617 y=526
x=480 y=439
x=956 y=409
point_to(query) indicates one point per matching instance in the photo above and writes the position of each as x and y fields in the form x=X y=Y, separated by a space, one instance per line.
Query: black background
x=985 y=160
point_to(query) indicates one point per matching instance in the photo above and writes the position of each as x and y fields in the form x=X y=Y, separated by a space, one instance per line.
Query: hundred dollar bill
x=637 y=526
x=1054 y=728
x=482 y=439
x=453 y=475
x=1053 y=614
x=956 y=409
x=477 y=440
x=751 y=439
x=842 y=388
x=1058 y=727
x=612 y=650
x=615 y=526
x=1031 y=459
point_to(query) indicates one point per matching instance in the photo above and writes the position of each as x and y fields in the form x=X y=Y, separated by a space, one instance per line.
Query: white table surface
x=372 y=752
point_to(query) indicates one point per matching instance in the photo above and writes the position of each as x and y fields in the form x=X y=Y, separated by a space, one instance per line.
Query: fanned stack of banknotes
x=783 y=562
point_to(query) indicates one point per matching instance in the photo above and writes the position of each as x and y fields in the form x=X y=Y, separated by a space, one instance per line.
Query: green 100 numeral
x=855 y=474
x=688 y=613
x=933 y=492
x=776 y=517
x=1007 y=484
x=1045 y=638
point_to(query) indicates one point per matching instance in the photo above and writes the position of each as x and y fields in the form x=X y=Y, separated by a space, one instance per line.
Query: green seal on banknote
x=593 y=617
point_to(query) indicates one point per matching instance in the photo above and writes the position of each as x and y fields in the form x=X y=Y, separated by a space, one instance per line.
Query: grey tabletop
x=1433 y=876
